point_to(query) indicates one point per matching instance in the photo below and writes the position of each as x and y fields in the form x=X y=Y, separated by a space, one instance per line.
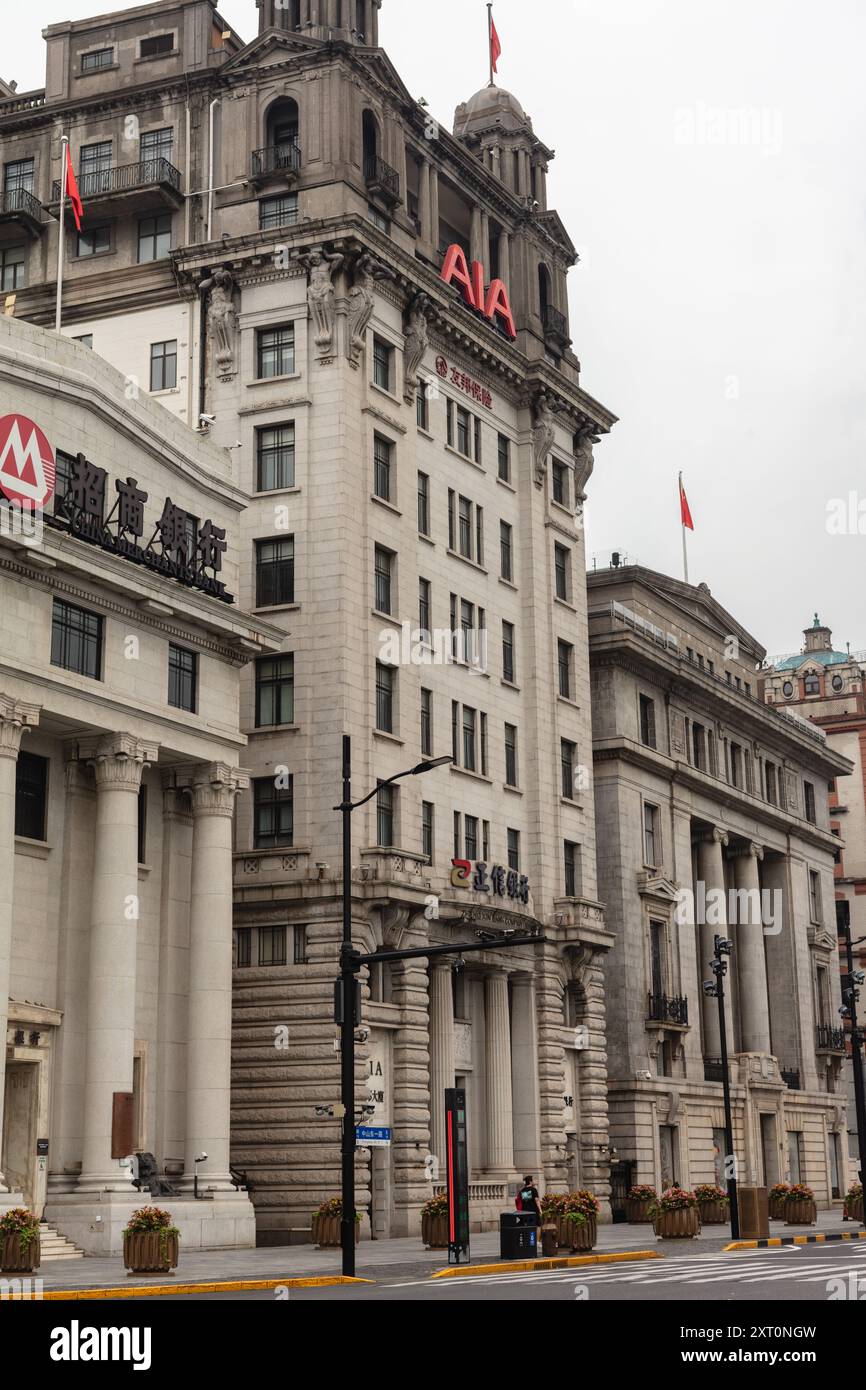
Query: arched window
x=361 y=19
x=283 y=134
x=544 y=291
x=370 y=128
x=812 y=684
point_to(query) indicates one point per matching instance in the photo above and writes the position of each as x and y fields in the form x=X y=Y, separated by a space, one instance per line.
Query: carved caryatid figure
x=365 y=271
x=322 y=266
x=543 y=434
x=584 y=443
x=222 y=316
x=417 y=337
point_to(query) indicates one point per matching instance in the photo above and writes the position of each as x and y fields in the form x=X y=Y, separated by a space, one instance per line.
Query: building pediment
x=272 y=46
x=555 y=226
x=657 y=886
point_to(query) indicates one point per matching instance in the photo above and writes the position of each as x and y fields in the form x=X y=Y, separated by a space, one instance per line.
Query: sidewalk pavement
x=379 y=1260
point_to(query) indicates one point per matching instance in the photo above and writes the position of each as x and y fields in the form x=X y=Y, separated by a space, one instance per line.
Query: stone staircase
x=54 y=1246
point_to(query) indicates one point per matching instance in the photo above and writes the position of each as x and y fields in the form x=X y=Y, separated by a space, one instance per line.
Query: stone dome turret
x=493 y=108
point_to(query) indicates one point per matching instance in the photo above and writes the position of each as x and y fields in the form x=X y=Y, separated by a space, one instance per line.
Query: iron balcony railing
x=21 y=200
x=830 y=1039
x=275 y=159
x=376 y=171
x=125 y=178
x=555 y=322
x=713 y=1069
x=791 y=1079
x=664 y=1008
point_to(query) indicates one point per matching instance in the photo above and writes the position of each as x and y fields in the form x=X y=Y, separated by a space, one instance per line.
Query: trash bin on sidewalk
x=518 y=1235
x=549 y=1242
x=754 y=1208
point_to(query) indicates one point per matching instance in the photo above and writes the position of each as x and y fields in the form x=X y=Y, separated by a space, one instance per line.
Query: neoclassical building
x=120 y=763
x=369 y=311
x=712 y=817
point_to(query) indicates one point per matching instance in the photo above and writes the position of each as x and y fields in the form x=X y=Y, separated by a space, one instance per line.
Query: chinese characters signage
x=472 y=388
x=496 y=880
x=179 y=545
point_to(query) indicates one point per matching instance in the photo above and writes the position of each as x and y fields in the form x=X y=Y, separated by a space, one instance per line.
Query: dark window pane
x=276 y=458
x=76 y=640
x=31 y=782
x=182 y=678
x=275 y=572
x=275 y=691
x=272 y=813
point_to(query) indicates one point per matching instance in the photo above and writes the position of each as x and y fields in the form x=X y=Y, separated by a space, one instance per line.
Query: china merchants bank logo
x=27 y=468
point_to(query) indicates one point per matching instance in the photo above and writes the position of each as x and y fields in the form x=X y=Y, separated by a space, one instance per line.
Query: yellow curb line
x=774 y=1242
x=227 y=1286
x=528 y=1266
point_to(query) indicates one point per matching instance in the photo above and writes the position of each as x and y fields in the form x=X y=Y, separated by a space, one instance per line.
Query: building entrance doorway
x=770 y=1151
x=20 y=1115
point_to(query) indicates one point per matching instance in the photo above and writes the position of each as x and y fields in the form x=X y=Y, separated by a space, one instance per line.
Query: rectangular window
x=163 y=366
x=156 y=45
x=809 y=795
x=154 y=237
x=424 y=604
x=508 y=663
x=452 y=519
x=142 y=825
x=275 y=350
x=385 y=678
x=568 y=758
x=458 y=845
x=477 y=440
x=449 y=422
x=299 y=945
x=383 y=364
x=422 y=406
x=275 y=691
x=511 y=779
x=19 y=174
x=815 y=915
x=156 y=144
x=562 y=567
x=272 y=945
x=275 y=573
x=465 y=531
x=426 y=723
x=471 y=838
x=652 y=856
x=384 y=575
x=657 y=958
x=506 y=553
x=565 y=664
x=76 y=640
x=243 y=947
x=699 y=747
x=13 y=260
x=427 y=823
x=514 y=849
x=464 y=424
x=275 y=458
x=94 y=241
x=770 y=778
x=503 y=451
x=423 y=504
x=383 y=454
x=94 y=167
x=273 y=813
x=470 y=733
x=278 y=212
x=31 y=785
x=736 y=765
x=96 y=59
x=385 y=802
x=571 y=858
x=485 y=841
x=560 y=483
x=182 y=678
x=647 y=722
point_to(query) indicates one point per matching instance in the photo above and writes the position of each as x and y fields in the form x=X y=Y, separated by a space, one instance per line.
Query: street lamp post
x=716 y=987
x=850 y=995
x=350 y=964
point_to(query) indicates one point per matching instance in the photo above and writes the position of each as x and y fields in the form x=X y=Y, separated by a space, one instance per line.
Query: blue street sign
x=371 y=1137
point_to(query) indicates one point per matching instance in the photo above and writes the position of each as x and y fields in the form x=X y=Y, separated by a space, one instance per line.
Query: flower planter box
x=800 y=1211
x=14 y=1260
x=326 y=1232
x=577 y=1235
x=434 y=1231
x=150 y=1252
x=714 y=1213
x=637 y=1212
x=681 y=1224
x=777 y=1209
x=854 y=1208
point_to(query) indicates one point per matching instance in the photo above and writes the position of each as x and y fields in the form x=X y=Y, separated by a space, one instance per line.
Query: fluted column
x=500 y=1118
x=15 y=720
x=118 y=762
x=441 y=1053
x=711 y=872
x=751 y=957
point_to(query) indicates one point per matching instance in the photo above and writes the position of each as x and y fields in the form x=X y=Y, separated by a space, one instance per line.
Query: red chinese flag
x=684 y=509
x=72 y=192
x=495 y=46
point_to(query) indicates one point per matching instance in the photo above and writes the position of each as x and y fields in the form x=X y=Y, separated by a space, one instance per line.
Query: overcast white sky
x=710 y=169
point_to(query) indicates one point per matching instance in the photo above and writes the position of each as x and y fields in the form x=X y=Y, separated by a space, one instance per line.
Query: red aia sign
x=494 y=305
x=27 y=468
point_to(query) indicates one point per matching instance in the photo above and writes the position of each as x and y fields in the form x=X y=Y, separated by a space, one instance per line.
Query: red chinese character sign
x=27 y=467
x=473 y=388
x=494 y=304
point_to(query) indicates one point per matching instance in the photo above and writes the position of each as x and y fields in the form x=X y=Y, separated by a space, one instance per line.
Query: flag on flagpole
x=495 y=46
x=72 y=192
x=685 y=511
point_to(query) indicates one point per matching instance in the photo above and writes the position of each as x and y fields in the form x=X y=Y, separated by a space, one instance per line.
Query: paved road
x=792 y=1273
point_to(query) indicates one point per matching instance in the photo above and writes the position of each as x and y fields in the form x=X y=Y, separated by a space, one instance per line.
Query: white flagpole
x=490 y=40
x=61 y=241
x=685 y=547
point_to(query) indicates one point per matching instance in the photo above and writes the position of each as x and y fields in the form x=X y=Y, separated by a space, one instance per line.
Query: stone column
x=441 y=1053
x=711 y=873
x=118 y=761
x=424 y=201
x=475 y=245
x=434 y=208
x=15 y=720
x=750 y=956
x=500 y=1115
x=593 y=1121
x=524 y=1076
x=505 y=256
x=209 y=1037
x=485 y=242
x=496 y=161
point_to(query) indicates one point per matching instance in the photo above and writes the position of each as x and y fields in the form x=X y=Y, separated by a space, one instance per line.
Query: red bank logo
x=27 y=469
x=494 y=305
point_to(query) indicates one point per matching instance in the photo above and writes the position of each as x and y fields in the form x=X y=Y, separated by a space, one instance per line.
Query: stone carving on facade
x=222 y=318
x=417 y=340
x=543 y=434
x=366 y=270
x=322 y=266
x=584 y=462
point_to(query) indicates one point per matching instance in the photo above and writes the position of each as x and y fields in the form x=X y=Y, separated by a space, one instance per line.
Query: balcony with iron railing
x=791 y=1078
x=381 y=178
x=713 y=1069
x=155 y=176
x=555 y=326
x=830 y=1039
x=664 y=1008
x=19 y=205
x=275 y=161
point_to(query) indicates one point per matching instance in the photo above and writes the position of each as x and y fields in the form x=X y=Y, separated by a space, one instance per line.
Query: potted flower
x=778 y=1197
x=552 y=1207
x=800 y=1208
x=713 y=1204
x=638 y=1202
x=577 y=1224
x=676 y=1215
x=434 y=1223
x=20 y=1252
x=854 y=1202
x=326 y=1224
x=150 y=1242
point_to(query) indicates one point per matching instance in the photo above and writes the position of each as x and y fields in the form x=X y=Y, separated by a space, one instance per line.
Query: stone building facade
x=706 y=799
x=120 y=763
x=827 y=687
x=269 y=224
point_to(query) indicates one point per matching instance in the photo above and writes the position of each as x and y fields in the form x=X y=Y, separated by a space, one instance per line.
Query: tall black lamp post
x=850 y=995
x=350 y=964
x=716 y=988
